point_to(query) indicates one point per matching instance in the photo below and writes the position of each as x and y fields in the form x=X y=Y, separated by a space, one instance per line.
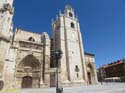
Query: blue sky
x=102 y=23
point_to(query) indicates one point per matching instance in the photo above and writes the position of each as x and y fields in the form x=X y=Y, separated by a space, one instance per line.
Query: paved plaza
x=105 y=88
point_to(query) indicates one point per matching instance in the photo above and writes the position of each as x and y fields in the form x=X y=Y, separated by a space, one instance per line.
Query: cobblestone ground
x=105 y=88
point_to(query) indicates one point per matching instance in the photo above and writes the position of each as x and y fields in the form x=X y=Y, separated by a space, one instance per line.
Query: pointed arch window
x=72 y=25
x=70 y=14
x=77 y=71
x=76 y=68
x=31 y=39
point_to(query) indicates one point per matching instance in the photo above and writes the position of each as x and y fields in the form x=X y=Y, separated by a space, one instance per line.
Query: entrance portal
x=89 y=78
x=53 y=80
x=29 y=70
x=26 y=82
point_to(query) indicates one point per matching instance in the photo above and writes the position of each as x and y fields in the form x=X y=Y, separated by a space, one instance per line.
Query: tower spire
x=69 y=11
x=60 y=12
x=69 y=7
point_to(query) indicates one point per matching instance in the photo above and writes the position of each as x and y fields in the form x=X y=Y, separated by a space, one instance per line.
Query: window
x=76 y=68
x=77 y=71
x=70 y=14
x=31 y=39
x=72 y=25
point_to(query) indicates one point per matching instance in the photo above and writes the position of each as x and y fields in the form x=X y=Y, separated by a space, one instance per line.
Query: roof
x=19 y=29
x=122 y=61
x=89 y=54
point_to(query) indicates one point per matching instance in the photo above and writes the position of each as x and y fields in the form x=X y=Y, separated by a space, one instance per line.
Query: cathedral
x=25 y=57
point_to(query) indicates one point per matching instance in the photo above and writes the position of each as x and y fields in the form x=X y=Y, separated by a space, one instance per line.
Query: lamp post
x=57 y=54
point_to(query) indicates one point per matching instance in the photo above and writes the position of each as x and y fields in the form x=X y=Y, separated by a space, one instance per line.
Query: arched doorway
x=26 y=82
x=90 y=73
x=89 y=77
x=52 y=80
x=28 y=72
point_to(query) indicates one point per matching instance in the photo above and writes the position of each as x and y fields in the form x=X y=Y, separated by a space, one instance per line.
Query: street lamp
x=57 y=54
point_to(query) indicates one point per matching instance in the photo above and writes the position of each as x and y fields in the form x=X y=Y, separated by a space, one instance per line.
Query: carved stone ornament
x=7 y=7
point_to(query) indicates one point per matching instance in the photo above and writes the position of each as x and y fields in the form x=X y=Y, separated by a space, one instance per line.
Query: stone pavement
x=105 y=88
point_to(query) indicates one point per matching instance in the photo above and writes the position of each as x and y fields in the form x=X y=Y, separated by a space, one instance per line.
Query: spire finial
x=60 y=12
x=57 y=17
x=69 y=7
x=52 y=21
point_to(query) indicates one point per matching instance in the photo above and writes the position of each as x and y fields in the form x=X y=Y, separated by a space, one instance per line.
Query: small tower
x=69 y=11
x=67 y=37
x=6 y=15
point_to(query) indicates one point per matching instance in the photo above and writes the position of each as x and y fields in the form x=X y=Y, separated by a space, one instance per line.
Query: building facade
x=25 y=57
x=114 y=71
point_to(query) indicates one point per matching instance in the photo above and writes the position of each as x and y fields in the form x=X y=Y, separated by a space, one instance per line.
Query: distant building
x=112 y=72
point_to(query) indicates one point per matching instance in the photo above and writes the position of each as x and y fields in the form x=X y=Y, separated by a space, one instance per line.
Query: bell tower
x=67 y=37
x=6 y=15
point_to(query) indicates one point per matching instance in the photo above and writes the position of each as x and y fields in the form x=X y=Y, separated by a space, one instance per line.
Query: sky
x=102 y=23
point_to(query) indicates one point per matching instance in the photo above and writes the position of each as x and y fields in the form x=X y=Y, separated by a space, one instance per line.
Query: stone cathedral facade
x=25 y=57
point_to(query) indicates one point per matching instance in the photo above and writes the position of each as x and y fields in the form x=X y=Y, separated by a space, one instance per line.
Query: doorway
x=52 y=80
x=89 y=78
x=26 y=82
